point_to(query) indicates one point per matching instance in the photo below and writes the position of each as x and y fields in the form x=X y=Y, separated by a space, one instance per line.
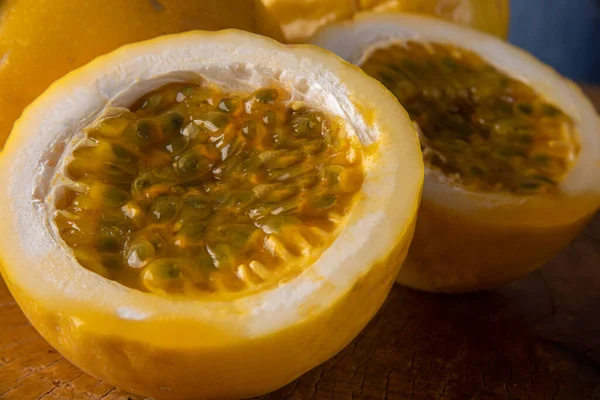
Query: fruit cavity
x=489 y=131
x=193 y=190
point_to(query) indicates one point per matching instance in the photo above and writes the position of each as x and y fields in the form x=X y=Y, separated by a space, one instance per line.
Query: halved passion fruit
x=511 y=148
x=207 y=215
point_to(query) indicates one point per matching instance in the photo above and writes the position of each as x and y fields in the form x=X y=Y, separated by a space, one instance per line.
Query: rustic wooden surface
x=537 y=339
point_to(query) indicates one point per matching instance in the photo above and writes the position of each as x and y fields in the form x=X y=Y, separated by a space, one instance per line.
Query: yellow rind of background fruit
x=468 y=241
x=490 y=16
x=455 y=252
x=41 y=40
x=219 y=347
x=299 y=19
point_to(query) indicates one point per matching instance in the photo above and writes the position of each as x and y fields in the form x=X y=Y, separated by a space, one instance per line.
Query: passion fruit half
x=207 y=215
x=511 y=148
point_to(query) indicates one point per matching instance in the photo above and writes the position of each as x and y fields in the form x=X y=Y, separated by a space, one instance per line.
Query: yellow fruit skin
x=239 y=368
x=490 y=16
x=454 y=252
x=41 y=40
x=301 y=18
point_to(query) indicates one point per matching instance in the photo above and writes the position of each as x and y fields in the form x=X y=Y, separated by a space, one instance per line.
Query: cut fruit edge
x=38 y=267
x=579 y=196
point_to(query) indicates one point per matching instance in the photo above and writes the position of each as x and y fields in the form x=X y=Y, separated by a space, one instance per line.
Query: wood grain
x=537 y=339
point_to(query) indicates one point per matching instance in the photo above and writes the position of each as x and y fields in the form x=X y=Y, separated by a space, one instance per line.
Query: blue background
x=563 y=33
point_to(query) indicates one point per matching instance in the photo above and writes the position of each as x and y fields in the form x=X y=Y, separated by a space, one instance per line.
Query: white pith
x=40 y=263
x=355 y=40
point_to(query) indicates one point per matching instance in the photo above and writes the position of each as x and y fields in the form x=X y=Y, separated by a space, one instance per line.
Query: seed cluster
x=494 y=132
x=193 y=190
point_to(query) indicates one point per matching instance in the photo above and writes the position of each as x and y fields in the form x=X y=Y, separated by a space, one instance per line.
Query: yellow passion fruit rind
x=151 y=337
x=300 y=19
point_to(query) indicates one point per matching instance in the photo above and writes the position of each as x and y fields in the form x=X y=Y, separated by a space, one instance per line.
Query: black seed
x=111 y=261
x=143 y=130
x=107 y=244
x=174 y=122
x=266 y=96
x=165 y=209
x=549 y=110
x=122 y=153
x=525 y=108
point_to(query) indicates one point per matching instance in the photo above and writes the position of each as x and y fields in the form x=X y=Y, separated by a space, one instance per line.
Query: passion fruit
x=207 y=215
x=511 y=148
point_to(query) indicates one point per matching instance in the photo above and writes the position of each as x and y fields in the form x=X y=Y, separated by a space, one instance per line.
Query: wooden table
x=537 y=339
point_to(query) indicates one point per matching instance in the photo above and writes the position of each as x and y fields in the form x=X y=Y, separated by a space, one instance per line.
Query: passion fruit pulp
x=488 y=130
x=196 y=191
